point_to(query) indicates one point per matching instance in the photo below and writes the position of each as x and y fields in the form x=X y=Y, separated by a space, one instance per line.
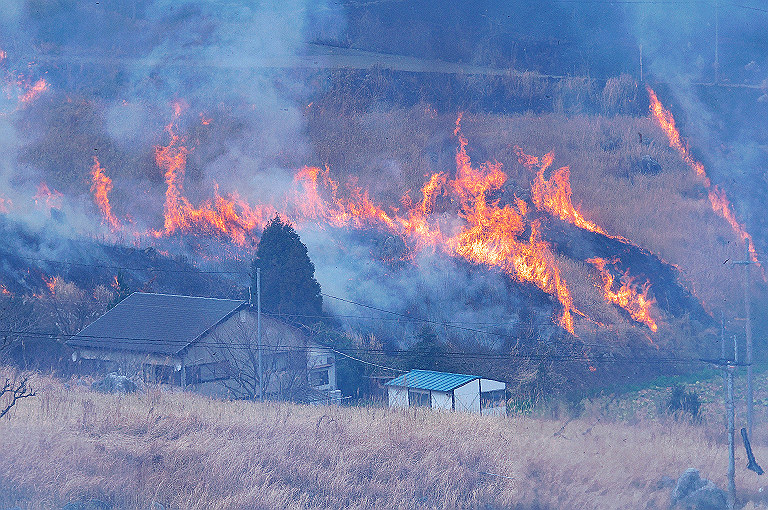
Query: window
x=207 y=372
x=162 y=374
x=496 y=398
x=319 y=378
x=418 y=398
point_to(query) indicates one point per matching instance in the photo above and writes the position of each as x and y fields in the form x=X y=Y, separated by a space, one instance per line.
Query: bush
x=682 y=401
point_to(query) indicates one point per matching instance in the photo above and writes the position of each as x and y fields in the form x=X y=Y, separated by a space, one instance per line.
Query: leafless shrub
x=12 y=391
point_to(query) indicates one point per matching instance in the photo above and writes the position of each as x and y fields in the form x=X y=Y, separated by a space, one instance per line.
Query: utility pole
x=729 y=367
x=723 y=358
x=717 y=41
x=258 y=332
x=641 y=63
x=729 y=407
x=748 y=333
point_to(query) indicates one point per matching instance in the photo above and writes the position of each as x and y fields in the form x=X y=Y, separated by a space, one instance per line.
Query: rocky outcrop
x=692 y=492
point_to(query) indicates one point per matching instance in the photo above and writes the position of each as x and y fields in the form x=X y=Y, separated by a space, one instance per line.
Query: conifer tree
x=288 y=284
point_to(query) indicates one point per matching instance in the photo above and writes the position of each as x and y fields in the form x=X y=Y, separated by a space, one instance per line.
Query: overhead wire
x=99 y=341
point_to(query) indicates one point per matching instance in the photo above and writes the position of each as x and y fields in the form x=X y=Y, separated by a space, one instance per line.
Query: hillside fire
x=717 y=198
x=482 y=229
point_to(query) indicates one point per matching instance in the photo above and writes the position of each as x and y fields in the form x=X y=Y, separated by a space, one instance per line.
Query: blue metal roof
x=429 y=380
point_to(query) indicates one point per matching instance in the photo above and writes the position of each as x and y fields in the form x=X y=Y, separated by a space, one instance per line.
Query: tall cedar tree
x=288 y=284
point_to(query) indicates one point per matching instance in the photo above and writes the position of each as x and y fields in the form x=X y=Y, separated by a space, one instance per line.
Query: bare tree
x=71 y=308
x=15 y=322
x=284 y=363
x=13 y=390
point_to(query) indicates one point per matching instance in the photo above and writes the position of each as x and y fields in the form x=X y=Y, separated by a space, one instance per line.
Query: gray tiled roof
x=155 y=323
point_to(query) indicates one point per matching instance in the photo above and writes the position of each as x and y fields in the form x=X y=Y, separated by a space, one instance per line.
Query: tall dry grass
x=186 y=451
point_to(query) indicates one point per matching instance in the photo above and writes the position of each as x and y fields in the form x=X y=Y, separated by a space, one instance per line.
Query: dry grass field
x=185 y=451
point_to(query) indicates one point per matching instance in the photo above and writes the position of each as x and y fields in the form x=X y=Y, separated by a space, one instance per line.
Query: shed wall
x=442 y=400
x=467 y=397
x=491 y=385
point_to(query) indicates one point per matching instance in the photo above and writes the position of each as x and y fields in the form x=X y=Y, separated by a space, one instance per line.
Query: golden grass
x=186 y=451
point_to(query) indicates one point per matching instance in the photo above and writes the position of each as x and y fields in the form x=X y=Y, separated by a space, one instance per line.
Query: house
x=453 y=392
x=206 y=345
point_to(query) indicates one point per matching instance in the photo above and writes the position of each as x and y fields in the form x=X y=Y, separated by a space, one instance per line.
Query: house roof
x=155 y=323
x=429 y=380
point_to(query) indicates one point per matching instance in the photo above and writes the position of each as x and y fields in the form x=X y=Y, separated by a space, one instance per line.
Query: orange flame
x=5 y=205
x=554 y=195
x=229 y=216
x=488 y=233
x=52 y=198
x=51 y=284
x=631 y=297
x=34 y=91
x=4 y=291
x=717 y=198
x=100 y=187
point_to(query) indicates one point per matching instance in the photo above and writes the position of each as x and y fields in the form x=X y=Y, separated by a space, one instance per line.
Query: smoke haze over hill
x=248 y=95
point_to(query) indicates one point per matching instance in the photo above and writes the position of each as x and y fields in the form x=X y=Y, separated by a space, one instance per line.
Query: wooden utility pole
x=729 y=408
x=258 y=332
x=641 y=63
x=748 y=334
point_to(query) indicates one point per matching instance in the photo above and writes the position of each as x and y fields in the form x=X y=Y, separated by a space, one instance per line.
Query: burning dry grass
x=668 y=214
x=186 y=451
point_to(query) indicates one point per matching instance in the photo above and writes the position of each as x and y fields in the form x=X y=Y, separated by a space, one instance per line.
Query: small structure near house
x=452 y=392
x=209 y=346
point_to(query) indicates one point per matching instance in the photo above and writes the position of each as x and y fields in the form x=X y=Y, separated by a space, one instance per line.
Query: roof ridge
x=183 y=296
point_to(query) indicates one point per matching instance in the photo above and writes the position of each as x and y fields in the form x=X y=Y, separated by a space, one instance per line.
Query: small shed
x=451 y=392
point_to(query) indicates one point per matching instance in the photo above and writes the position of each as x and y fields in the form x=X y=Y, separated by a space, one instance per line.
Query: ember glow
x=717 y=198
x=51 y=283
x=630 y=296
x=101 y=185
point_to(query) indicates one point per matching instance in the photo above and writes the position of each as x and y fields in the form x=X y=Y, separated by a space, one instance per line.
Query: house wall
x=467 y=397
x=442 y=400
x=131 y=364
x=398 y=397
x=491 y=385
x=320 y=359
x=286 y=359
x=232 y=348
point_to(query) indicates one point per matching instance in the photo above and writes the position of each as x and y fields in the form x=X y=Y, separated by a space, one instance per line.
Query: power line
x=122 y=268
x=243 y=272
x=465 y=355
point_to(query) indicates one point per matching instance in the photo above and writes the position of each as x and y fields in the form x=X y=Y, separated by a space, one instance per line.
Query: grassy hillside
x=185 y=451
x=393 y=152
